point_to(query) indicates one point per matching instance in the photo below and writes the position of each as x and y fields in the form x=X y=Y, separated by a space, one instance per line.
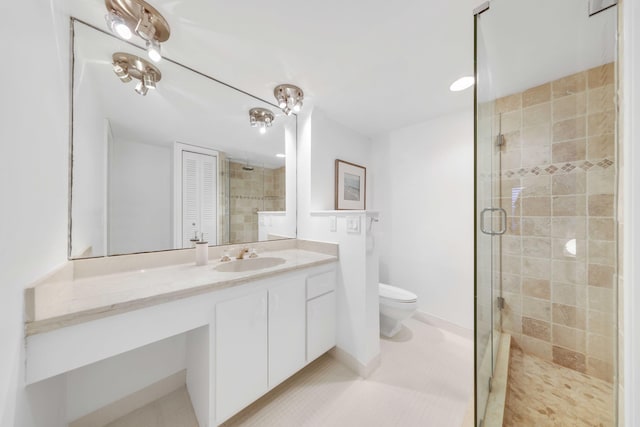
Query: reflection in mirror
x=178 y=164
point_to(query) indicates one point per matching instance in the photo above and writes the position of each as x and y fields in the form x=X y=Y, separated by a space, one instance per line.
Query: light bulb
x=141 y=88
x=263 y=130
x=145 y=28
x=153 y=50
x=117 y=25
x=287 y=111
x=297 y=107
x=150 y=80
x=122 y=72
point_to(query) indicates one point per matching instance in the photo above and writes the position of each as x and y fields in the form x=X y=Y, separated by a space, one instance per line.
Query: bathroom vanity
x=244 y=331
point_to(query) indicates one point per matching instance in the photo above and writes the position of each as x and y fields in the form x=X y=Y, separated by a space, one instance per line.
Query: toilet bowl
x=396 y=305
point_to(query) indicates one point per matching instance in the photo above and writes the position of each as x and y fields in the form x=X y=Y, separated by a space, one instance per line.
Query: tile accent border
x=560 y=168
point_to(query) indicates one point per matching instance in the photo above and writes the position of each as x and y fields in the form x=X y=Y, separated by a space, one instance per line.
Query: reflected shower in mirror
x=182 y=163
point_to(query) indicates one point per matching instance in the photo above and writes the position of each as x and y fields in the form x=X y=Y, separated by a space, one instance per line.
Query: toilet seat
x=395 y=294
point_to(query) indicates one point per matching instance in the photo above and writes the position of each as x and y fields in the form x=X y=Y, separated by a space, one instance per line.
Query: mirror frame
x=72 y=22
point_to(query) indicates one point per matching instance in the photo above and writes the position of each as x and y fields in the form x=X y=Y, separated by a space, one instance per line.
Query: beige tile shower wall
x=559 y=253
x=223 y=216
x=261 y=189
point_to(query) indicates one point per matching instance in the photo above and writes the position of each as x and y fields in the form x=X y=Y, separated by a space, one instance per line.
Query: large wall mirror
x=155 y=172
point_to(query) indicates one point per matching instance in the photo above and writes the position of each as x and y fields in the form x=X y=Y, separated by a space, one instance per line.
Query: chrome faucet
x=242 y=252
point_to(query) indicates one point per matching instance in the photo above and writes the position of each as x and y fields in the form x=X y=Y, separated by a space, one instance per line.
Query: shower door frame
x=492 y=237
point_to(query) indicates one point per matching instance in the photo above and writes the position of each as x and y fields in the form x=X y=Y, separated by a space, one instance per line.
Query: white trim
x=443 y=324
x=105 y=209
x=352 y=363
x=178 y=148
x=631 y=200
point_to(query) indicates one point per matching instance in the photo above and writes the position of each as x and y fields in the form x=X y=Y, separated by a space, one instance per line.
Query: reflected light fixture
x=281 y=155
x=289 y=98
x=128 y=67
x=126 y=17
x=261 y=118
x=462 y=83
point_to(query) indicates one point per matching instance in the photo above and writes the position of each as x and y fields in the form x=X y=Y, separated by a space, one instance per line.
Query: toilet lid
x=396 y=294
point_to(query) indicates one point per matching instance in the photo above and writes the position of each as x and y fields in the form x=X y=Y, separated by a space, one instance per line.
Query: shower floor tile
x=545 y=394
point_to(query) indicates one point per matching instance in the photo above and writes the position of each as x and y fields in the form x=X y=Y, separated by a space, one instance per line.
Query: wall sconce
x=126 y=17
x=128 y=67
x=289 y=98
x=261 y=118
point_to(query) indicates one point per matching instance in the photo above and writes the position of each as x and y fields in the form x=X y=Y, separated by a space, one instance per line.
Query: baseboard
x=350 y=362
x=130 y=403
x=443 y=324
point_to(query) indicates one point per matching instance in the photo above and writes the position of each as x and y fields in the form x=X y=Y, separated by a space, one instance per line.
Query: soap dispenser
x=202 y=251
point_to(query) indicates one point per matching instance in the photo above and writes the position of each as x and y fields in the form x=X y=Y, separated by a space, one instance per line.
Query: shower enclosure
x=546 y=268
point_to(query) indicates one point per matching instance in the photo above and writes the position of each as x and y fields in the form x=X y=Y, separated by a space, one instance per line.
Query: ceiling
x=372 y=66
x=376 y=66
x=557 y=39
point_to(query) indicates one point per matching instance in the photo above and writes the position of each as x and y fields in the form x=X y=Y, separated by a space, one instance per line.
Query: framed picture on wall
x=351 y=186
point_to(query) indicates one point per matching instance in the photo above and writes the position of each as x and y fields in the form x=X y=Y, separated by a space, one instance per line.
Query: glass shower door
x=491 y=223
x=546 y=152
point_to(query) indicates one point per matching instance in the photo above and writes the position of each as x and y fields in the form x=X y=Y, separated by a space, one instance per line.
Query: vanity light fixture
x=126 y=17
x=128 y=67
x=261 y=118
x=289 y=98
x=462 y=83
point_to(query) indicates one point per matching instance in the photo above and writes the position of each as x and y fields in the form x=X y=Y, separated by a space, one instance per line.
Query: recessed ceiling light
x=282 y=156
x=462 y=83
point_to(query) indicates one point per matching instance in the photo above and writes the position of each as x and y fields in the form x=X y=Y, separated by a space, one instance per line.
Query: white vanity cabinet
x=287 y=334
x=321 y=314
x=241 y=374
x=228 y=346
x=261 y=340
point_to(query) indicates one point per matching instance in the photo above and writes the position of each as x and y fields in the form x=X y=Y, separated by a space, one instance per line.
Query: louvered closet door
x=199 y=197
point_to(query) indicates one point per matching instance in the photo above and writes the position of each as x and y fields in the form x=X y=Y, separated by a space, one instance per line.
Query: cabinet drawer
x=321 y=284
x=321 y=325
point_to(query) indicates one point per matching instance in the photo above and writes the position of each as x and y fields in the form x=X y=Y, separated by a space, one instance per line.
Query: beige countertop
x=58 y=303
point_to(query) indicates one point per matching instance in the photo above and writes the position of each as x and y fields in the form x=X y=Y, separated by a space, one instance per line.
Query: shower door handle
x=503 y=221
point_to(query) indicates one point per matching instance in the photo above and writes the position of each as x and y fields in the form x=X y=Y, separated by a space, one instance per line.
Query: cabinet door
x=287 y=307
x=321 y=325
x=241 y=353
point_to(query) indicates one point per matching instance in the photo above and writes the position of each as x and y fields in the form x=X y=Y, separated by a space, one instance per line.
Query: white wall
x=423 y=188
x=331 y=141
x=33 y=186
x=89 y=177
x=140 y=197
x=320 y=141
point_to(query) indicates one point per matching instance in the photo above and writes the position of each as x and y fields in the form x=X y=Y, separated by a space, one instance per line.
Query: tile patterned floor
x=172 y=410
x=544 y=394
x=425 y=379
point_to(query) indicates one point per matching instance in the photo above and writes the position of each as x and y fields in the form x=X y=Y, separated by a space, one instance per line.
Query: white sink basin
x=249 y=264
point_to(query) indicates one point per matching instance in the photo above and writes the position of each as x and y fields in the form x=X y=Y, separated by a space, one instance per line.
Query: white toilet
x=396 y=305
